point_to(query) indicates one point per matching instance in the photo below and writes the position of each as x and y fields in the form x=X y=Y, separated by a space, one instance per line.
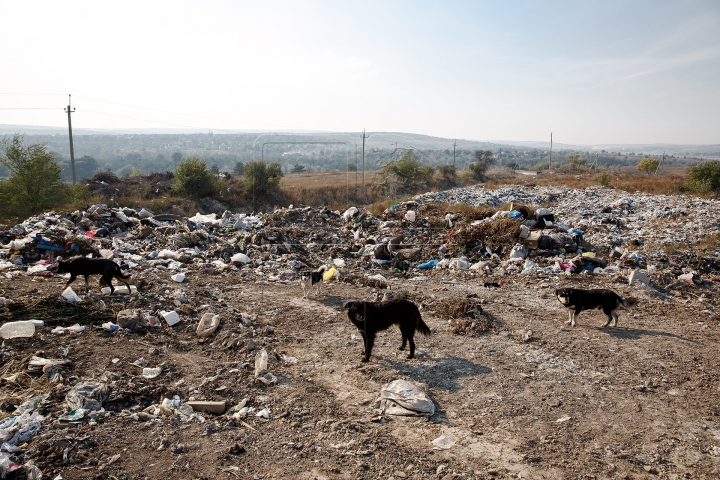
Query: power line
x=28 y=108
x=182 y=114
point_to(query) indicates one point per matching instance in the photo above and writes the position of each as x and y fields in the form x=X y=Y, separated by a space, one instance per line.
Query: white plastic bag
x=406 y=395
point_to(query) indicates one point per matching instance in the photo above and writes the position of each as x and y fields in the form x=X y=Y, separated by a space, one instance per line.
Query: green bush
x=407 y=169
x=193 y=179
x=648 y=165
x=446 y=175
x=705 y=178
x=604 y=179
x=262 y=178
x=35 y=178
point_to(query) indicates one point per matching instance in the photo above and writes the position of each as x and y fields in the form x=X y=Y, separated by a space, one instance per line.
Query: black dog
x=372 y=317
x=92 y=266
x=579 y=300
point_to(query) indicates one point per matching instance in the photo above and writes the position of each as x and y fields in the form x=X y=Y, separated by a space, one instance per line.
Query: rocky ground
x=525 y=396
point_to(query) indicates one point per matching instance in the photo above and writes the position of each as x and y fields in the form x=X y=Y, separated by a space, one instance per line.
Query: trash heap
x=511 y=230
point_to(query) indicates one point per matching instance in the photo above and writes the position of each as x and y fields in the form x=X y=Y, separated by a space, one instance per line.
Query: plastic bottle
x=17 y=330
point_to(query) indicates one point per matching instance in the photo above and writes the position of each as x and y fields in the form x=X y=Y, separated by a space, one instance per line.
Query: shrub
x=705 y=178
x=648 y=165
x=192 y=178
x=407 y=169
x=262 y=178
x=446 y=176
x=35 y=177
x=604 y=179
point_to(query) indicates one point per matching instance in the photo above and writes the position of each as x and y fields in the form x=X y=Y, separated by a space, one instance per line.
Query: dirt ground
x=530 y=398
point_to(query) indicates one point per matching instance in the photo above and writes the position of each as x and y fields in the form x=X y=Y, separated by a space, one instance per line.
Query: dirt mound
x=495 y=232
x=466 y=316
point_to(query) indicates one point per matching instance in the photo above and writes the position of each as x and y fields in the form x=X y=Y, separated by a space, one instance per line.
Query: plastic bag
x=427 y=265
x=406 y=395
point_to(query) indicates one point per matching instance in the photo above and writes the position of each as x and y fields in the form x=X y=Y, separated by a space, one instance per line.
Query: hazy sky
x=589 y=71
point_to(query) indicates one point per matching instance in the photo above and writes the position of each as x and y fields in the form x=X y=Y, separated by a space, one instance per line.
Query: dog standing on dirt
x=579 y=300
x=92 y=266
x=373 y=317
x=310 y=280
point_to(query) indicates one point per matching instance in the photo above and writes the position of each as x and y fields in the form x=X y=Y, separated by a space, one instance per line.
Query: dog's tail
x=119 y=274
x=321 y=269
x=421 y=326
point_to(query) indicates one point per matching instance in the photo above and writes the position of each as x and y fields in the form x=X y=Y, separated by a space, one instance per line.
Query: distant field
x=299 y=186
x=297 y=181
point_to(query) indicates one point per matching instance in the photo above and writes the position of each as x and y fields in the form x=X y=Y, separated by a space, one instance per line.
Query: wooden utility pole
x=660 y=164
x=550 y=165
x=363 y=157
x=454 y=145
x=72 y=150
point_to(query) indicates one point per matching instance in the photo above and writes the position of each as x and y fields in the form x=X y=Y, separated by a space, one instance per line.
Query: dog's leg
x=570 y=315
x=616 y=316
x=575 y=316
x=73 y=276
x=411 y=341
x=364 y=359
x=87 y=285
x=369 y=342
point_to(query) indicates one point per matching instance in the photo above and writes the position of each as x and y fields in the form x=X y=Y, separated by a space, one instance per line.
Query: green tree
x=705 y=178
x=35 y=177
x=85 y=167
x=192 y=178
x=576 y=161
x=262 y=178
x=483 y=160
x=239 y=168
x=298 y=168
x=176 y=157
x=648 y=165
x=351 y=167
x=408 y=169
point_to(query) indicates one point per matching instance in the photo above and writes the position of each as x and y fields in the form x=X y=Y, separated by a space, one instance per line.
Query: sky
x=590 y=72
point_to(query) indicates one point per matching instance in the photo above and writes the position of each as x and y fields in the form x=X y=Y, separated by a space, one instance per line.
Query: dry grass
x=671 y=181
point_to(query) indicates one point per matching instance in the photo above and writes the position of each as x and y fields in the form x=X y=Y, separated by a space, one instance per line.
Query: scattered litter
x=445 y=441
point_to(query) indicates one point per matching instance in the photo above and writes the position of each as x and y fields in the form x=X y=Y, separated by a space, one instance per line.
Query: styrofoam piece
x=121 y=289
x=170 y=317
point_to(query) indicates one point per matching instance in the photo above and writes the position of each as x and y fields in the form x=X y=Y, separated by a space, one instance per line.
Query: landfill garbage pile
x=512 y=235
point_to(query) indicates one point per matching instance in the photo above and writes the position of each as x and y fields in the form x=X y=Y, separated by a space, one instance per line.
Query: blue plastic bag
x=427 y=265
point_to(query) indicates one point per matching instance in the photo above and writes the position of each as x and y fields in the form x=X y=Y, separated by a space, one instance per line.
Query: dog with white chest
x=310 y=280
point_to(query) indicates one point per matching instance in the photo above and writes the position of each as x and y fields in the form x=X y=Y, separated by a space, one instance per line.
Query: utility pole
x=454 y=145
x=660 y=164
x=363 y=157
x=72 y=150
x=500 y=157
x=550 y=166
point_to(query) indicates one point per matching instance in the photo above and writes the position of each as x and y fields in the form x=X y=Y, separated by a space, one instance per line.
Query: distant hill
x=126 y=151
